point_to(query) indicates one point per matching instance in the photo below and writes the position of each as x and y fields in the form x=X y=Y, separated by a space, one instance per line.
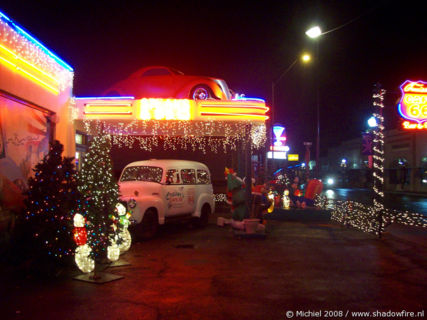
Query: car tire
x=148 y=227
x=203 y=220
x=201 y=92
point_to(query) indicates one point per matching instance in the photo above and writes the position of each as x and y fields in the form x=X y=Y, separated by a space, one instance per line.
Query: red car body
x=165 y=82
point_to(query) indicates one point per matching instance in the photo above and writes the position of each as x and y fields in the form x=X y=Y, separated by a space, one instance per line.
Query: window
x=188 y=176
x=156 y=72
x=172 y=177
x=203 y=177
x=142 y=173
x=79 y=138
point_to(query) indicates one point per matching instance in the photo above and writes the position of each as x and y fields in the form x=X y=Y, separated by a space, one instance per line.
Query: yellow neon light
x=250 y=110
x=165 y=109
x=108 y=109
x=9 y=59
x=411 y=125
x=241 y=116
x=415 y=87
x=293 y=157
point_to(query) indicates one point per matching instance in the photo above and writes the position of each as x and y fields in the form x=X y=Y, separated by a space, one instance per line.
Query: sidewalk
x=305 y=263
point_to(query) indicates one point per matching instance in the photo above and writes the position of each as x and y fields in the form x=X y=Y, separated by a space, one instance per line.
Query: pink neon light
x=413 y=104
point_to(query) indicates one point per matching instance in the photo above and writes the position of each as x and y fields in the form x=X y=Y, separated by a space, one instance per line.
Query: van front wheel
x=204 y=216
x=149 y=225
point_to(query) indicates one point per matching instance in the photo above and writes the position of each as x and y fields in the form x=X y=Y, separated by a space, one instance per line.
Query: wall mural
x=24 y=142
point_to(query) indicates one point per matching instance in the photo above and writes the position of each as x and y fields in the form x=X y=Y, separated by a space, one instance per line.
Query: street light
x=372 y=122
x=314 y=33
x=305 y=58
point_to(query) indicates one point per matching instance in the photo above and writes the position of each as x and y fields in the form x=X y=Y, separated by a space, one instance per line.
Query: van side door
x=173 y=193
x=188 y=177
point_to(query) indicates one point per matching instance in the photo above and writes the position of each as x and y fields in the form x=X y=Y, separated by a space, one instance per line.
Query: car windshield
x=177 y=72
x=142 y=173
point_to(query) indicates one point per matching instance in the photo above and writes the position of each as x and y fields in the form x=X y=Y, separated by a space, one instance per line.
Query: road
x=305 y=262
x=392 y=201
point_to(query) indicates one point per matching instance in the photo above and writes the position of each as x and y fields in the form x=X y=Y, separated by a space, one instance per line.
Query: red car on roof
x=165 y=82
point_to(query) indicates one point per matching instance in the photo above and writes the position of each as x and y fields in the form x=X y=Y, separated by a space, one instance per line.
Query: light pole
x=305 y=58
x=314 y=33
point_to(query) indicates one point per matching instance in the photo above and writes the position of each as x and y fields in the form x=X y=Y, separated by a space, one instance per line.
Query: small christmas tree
x=52 y=200
x=100 y=191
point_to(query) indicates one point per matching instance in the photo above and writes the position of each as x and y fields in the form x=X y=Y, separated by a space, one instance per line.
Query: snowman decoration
x=113 y=250
x=124 y=234
x=82 y=254
x=286 y=199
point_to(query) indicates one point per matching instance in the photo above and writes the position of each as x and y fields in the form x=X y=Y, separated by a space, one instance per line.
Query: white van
x=159 y=190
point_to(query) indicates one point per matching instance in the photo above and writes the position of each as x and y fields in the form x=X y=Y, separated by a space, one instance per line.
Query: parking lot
x=305 y=263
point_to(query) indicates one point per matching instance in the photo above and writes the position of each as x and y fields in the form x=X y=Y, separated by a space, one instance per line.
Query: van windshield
x=142 y=173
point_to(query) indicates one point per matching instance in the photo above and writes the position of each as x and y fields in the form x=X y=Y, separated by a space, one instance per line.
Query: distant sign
x=293 y=157
x=413 y=104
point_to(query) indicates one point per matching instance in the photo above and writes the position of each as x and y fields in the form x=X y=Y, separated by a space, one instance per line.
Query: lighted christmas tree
x=100 y=191
x=51 y=202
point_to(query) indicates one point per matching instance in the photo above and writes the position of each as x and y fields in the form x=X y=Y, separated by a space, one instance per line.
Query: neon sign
x=171 y=109
x=21 y=53
x=413 y=104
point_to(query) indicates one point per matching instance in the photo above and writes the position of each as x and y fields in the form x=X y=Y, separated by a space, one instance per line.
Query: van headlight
x=132 y=203
x=330 y=181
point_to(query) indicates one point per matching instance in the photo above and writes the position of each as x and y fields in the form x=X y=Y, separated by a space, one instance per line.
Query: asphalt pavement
x=306 y=263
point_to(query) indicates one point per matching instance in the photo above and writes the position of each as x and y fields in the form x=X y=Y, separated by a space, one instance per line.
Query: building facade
x=405 y=165
x=35 y=97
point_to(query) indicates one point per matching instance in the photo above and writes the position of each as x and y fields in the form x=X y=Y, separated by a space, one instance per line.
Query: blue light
x=278 y=130
x=249 y=99
x=105 y=98
x=372 y=122
x=36 y=42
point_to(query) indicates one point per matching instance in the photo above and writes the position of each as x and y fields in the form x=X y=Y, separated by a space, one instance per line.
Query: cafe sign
x=413 y=104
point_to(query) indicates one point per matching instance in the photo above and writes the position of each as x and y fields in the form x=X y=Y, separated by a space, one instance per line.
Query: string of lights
x=365 y=217
x=378 y=156
x=218 y=136
x=25 y=54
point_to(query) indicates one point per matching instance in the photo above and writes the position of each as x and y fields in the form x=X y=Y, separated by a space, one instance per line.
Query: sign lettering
x=413 y=104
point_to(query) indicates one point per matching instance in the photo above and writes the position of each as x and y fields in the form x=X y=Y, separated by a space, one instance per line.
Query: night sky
x=249 y=44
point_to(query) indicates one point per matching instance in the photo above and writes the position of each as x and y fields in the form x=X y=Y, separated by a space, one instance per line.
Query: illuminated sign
x=413 y=104
x=171 y=109
x=248 y=109
x=165 y=109
x=279 y=148
x=276 y=155
x=293 y=157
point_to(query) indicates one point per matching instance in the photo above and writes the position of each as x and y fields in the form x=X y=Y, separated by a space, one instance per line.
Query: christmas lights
x=82 y=255
x=22 y=53
x=378 y=157
x=372 y=219
x=365 y=217
x=52 y=200
x=215 y=136
x=125 y=239
x=286 y=199
x=83 y=259
x=98 y=188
